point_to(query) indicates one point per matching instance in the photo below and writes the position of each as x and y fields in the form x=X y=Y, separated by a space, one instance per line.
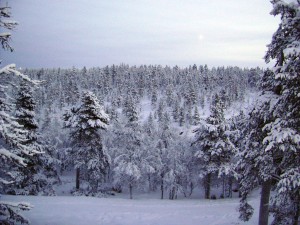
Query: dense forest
x=154 y=128
x=139 y=123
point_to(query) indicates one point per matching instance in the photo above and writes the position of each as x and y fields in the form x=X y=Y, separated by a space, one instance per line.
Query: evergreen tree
x=162 y=153
x=130 y=110
x=214 y=146
x=175 y=112
x=13 y=151
x=190 y=96
x=283 y=135
x=88 y=154
x=160 y=110
x=279 y=122
x=71 y=88
x=154 y=98
x=169 y=95
x=181 y=117
x=131 y=160
x=196 y=116
x=254 y=165
x=40 y=170
x=149 y=142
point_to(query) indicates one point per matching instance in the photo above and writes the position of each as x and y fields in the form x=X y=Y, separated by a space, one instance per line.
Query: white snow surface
x=143 y=210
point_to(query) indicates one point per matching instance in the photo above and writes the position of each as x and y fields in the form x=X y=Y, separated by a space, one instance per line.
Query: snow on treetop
x=11 y=69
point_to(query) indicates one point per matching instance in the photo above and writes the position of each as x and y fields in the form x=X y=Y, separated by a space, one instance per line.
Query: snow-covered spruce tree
x=13 y=153
x=177 y=176
x=131 y=161
x=40 y=172
x=128 y=170
x=163 y=157
x=181 y=117
x=255 y=166
x=283 y=134
x=130 y=110
x=196 y=116
x=6 y=23
x=71 y=87
x=175 y=111
x=276 y=155
x=149 y=142
x=90 y=158
x=214 y=148
x=171 y=160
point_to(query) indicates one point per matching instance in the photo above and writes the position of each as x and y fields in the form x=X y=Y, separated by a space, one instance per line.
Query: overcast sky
x=65 y=33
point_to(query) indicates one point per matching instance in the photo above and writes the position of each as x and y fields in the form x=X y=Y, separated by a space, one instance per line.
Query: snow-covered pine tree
x=274 y=154
x=214 y=148
x=13 y=153
x=5 y=37
x=196 y=116
x=131 y=159
x=283 y=134
x=154 y=98
x=149 y=142
x=190 y=95
x=160 y=110
x=40 y=172
x=162 y=153
x=130 y=110
x=88 y=154
x=181 y=117
x=169 y=95
x=255 y=166
x=175 y=165
x=175 y=110
x=71 y=87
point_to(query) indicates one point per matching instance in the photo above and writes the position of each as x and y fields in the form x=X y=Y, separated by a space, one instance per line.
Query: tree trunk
x=207 y=186
x=223 y=183
x=162 y=187
x=77 y=178
x=191 y=188
x=264 y=202
x=130 y=190
x=230 y=181
x=297 y=209
x=149 y=181
x=172 y=193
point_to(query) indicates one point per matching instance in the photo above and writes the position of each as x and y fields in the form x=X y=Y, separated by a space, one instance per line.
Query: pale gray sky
x=65 y=33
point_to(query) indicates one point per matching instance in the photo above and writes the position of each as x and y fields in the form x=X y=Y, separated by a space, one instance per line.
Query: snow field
x=69 y=210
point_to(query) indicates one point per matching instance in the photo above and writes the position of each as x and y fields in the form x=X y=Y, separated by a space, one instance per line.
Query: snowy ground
x=143 y=210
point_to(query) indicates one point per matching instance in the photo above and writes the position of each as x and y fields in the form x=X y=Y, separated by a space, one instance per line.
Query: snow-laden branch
x=7 y=154
x=19 y=205
x=3 y=181
x=11 y=69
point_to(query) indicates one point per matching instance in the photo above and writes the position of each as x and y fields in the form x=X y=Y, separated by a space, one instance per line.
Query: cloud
x=66 y=33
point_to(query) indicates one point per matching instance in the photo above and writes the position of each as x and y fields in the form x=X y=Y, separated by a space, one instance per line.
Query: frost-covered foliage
x=41 y=171
x=272 y=154
x=87 y=153
x=10 y=212
x=254 y=165
x=153 y=111
x=8 y=24
x=283 y=133
x=131 y=159
x=214 y=147
x=178 y=99
x=14 y=151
